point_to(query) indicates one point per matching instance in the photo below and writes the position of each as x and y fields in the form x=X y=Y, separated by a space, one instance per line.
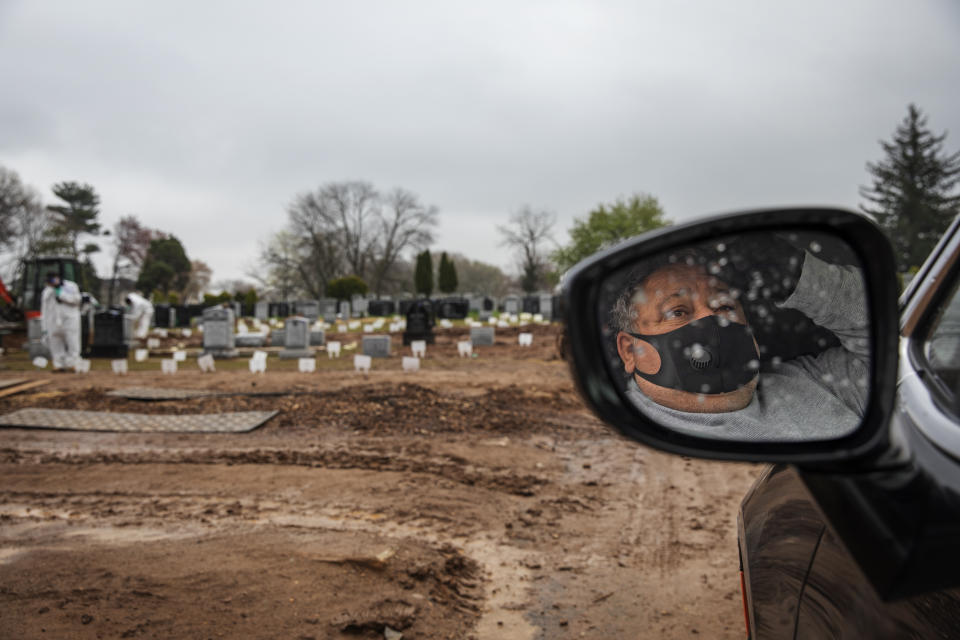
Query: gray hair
x=623 y=313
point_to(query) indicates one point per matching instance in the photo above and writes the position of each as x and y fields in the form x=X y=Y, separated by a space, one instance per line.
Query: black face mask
x=704 y=356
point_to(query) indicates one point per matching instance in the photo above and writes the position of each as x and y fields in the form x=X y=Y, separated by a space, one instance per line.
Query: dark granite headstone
x=109 y=339
x=420 y=323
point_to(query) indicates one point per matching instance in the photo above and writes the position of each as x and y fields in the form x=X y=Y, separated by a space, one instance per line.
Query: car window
x=941 y=347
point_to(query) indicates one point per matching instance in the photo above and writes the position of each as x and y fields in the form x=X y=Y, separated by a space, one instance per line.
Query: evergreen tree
x=78 y=215
x=446 y=274
x=423 y=274
x=912 y=196
x=166 y=267
x=346 y=287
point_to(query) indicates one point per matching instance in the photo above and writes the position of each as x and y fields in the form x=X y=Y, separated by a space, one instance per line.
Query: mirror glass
x=761 y=336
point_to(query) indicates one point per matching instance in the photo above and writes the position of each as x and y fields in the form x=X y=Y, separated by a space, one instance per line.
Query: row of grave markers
x=258 y=361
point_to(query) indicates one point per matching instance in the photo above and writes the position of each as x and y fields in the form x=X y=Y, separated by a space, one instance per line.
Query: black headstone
x=453 y=308
x=531 y=304
x=420 y=322
x=381 y=307
x=108 y=339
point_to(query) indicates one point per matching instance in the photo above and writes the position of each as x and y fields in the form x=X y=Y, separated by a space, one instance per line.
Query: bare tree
x=406 y=225
x=131 y=239
x=355 y=206
x=314 y=244
x=24 y=222
x=479 y=277
x=527 y=233
x=200 y=276
x=283 y=271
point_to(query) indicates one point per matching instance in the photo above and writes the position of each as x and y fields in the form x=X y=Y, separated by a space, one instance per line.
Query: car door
x=837 y=599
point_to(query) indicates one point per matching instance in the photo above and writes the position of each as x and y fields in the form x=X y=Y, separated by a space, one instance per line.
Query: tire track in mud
x=448 y=467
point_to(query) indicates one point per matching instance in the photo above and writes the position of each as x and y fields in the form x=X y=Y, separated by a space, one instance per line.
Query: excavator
x=23 y=302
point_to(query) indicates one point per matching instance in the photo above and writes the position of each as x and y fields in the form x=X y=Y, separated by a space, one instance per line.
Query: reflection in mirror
x=756 y=337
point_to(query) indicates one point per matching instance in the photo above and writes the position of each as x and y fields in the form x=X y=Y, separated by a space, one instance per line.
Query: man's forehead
x=674 y=280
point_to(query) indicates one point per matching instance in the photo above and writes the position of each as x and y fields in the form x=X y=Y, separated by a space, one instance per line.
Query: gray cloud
x=206 y=118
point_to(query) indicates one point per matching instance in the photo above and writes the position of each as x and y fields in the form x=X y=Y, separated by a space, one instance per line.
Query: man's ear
x=637 y=354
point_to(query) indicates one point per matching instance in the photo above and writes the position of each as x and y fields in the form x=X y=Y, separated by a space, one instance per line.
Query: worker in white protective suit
x=60 y=319
x=141 y=312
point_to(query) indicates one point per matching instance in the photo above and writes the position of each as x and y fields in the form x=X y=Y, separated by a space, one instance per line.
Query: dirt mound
x=403 y=408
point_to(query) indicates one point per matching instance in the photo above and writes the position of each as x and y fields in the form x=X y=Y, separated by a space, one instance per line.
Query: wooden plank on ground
x=9 y=382
x=22 y=387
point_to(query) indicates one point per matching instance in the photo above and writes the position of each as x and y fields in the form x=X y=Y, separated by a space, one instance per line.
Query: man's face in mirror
x=669 y=299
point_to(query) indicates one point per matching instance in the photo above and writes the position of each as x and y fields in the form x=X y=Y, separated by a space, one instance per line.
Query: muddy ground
x=477 y=498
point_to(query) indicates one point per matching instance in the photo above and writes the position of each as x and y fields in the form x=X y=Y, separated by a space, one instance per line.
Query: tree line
x=350 y=237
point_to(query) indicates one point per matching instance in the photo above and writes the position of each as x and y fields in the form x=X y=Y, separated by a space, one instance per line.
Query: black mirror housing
x=582 y=296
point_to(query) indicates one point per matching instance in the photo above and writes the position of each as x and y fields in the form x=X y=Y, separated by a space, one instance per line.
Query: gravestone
x=82 y=366
x=344 y=310
x=164 y=315
x=358 y=304
x=168 y=365
x=453 y=308
x=328 y=309
x=511 y=305
x=119 y=366
x=278 y=310
x=376 y=346
x=410 y=364
x=482 y=336
x=41 y=363
x=296 y=339
x=261 y=310
x=309 y=309
x=179 y=356
x=218 y=338
x=362 y=363
x=277 y=338
x=333 y=349
x=37 y=348
x=258 y=362
x=109 y=340
x=418 y=348
x=318 y=337
x=546 y=307
x=381 y=307
x=530 y=304
x=206 y=364
x=253 y=339
x=464 y=348
x=306 y=365
x=525 y=339
x=141 y=355
x=419 y=323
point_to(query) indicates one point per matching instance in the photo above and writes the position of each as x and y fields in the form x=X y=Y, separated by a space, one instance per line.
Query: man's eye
x=679 y=312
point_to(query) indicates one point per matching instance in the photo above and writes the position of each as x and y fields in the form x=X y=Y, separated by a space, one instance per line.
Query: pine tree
x=78 y=215
x=447 y=275
x=912 y=196
x=423 y=274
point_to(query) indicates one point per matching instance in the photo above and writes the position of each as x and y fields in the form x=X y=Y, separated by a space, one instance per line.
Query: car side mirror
x=759 y=336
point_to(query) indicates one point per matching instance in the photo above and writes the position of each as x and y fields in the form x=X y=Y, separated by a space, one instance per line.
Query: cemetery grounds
x=475 y=498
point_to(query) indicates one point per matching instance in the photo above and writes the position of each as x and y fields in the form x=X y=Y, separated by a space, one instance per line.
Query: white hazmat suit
x=141 y=312
x=60 y=319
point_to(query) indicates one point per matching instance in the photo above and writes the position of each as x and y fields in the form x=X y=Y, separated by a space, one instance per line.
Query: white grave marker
x=446 y=324
x=464 y=348
x=119 y=366
x=140 y=355
x=205 y=362
x=341 y=328
x=503 y=325
x=83 y=366
x=162 y=333
x=258 y=363
x=186 y=333
x=362 y=363
x=307 y=365
x=492 y=320
x=538 y=317
x=168 y=365
x=419 y=348
x=40 y=362
x=354 y=325
x=333 y=349
x=153 y=343
x=368 y=328
x=411 y=364
x=179 y=356
x=525 y=339
x=242 y=327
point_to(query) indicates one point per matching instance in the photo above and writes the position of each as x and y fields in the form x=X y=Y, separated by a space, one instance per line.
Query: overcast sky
x=206 y=118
